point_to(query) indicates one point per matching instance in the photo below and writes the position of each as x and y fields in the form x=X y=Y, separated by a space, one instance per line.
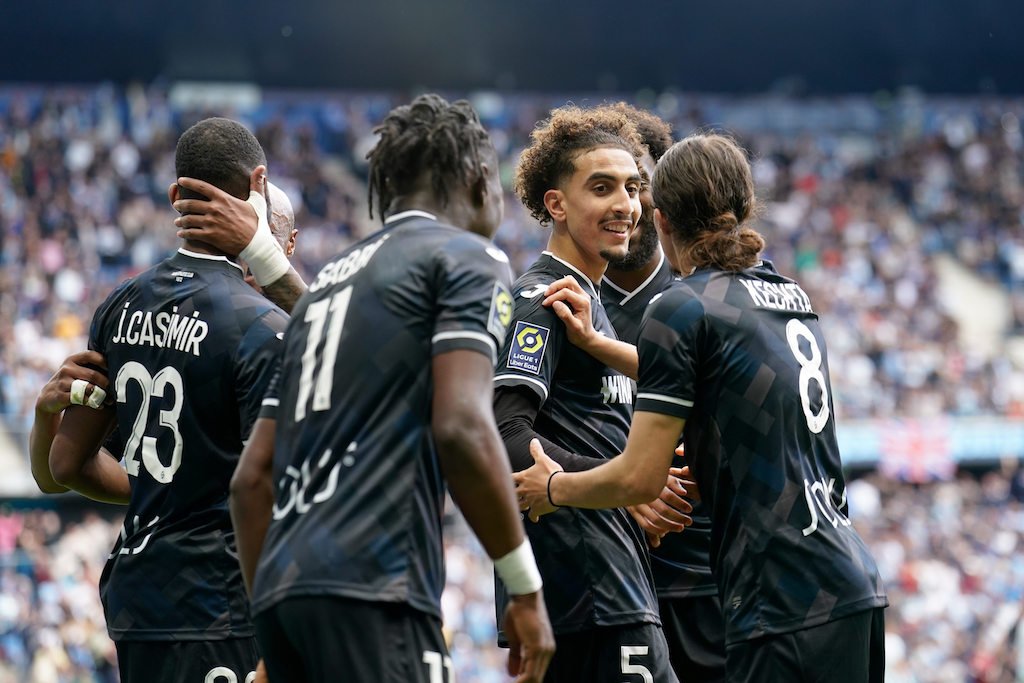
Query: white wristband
x=518 y=570
x=266 y=260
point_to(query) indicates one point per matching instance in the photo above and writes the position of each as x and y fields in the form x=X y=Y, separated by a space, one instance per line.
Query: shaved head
x=282 y=215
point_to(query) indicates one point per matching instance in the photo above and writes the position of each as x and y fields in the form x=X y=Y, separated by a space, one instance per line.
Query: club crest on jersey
x=501 y=312
x=528 y=344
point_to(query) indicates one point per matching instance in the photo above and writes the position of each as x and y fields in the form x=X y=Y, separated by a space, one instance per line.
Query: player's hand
x=532 y=483
x=685 y=478
x=531 y=641
x=75 y=384
x=225 y=222
x=261 y=673
x=572 y=306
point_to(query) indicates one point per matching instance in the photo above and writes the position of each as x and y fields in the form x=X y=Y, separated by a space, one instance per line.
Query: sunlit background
x=887 y=149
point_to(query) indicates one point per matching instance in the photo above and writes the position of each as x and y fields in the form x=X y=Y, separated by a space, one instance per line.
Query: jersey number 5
x=316 y=316
x=810 y=370
x=152 y=386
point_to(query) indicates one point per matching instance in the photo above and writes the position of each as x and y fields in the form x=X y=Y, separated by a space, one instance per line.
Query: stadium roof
x=789 y=46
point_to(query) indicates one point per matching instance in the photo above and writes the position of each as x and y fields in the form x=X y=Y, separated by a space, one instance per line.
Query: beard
x=642 y=247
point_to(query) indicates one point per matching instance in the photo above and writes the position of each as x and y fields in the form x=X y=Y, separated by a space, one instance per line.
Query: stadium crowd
x=861 y=197
x=949 y=553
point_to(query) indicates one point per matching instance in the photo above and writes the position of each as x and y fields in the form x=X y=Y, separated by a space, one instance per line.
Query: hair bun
x=725 y=222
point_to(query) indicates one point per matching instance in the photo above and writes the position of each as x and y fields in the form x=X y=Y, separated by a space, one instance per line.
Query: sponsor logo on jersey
x=534 y=291
x=528 y=345
x=501 y=312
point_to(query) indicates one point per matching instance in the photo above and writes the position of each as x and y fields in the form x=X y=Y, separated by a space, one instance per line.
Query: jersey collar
x=209 y=257
x=585 y=281
x=411 y=213
x=629 y=295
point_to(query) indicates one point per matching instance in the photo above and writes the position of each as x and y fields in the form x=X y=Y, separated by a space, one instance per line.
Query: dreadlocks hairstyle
x=704 y=187
x=428 y=136
x=221 y=152
x=655 y=133
x=559 y=140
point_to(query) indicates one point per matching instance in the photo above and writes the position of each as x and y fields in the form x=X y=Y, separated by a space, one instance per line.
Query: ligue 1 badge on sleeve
x=528 y=344
x=501 y=312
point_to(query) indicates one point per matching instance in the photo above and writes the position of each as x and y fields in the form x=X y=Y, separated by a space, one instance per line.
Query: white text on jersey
x=162 y=329
x=785 y=296
x=338 y=271
x=616 y=389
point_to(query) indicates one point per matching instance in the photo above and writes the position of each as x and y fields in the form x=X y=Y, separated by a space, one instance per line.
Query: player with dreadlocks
x=383 y=397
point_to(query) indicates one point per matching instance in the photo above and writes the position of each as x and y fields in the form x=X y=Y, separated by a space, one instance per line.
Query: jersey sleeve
x=257 y=361
x=474 y=301
x=533 y=342
x=105 y=318
x=670 y=337
x=271 y=400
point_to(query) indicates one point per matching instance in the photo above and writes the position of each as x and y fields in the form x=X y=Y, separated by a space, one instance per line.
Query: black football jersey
x=680 y=564
x=741 y=357
x=358 y=485
x=191 y=349
x=594 y=562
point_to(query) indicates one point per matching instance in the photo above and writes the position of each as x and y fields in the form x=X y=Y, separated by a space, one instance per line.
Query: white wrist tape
x=267 y=262
x=518 y=570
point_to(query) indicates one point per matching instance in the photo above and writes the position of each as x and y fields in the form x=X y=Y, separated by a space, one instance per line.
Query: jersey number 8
x=810 y=369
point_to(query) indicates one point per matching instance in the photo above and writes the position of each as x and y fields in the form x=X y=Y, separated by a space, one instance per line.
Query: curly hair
x=427 y=136
x=559 y=140
x=704 y=187
x=655 y=133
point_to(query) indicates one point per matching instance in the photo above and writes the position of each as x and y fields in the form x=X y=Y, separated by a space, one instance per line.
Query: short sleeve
x=474 y=301
x=257 y=361
x=532 y=344
x=98 y=328
x=271 y=400
x=668 y=347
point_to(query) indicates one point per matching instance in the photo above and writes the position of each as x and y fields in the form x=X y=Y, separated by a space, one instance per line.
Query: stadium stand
x=900 y=215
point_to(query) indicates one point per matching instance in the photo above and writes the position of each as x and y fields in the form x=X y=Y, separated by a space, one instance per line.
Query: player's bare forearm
x=637 y=476
x=286 y=290
x=78 y=462
x=44 y=428
x=252 y=497
x=617 y=355
x=471 y=452
x=58 y=393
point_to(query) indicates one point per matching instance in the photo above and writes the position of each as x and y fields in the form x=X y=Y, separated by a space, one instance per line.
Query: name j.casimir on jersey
x=162 y=329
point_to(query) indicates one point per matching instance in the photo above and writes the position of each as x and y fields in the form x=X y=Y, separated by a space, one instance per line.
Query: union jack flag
x=916 y=451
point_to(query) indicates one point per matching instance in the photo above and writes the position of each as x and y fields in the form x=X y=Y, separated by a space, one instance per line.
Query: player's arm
x=635 y=476
x=241 y=228
x=479 y=479
x=78 y=463
x=252 y=496
x=75 y=383
x=572 y=305
x=516 y=409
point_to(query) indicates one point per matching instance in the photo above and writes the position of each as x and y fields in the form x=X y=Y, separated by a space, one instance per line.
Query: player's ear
x=661 y=222
x=480 y=188
x=554 y=202
x=290 y=245
x=173 y=192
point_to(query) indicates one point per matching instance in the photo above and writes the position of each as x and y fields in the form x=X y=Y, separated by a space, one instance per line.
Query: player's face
x=643 y=244
x=600 y=203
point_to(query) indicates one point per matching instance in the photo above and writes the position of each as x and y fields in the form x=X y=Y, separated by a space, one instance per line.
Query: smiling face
x=595 y=210
x=643 y=244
